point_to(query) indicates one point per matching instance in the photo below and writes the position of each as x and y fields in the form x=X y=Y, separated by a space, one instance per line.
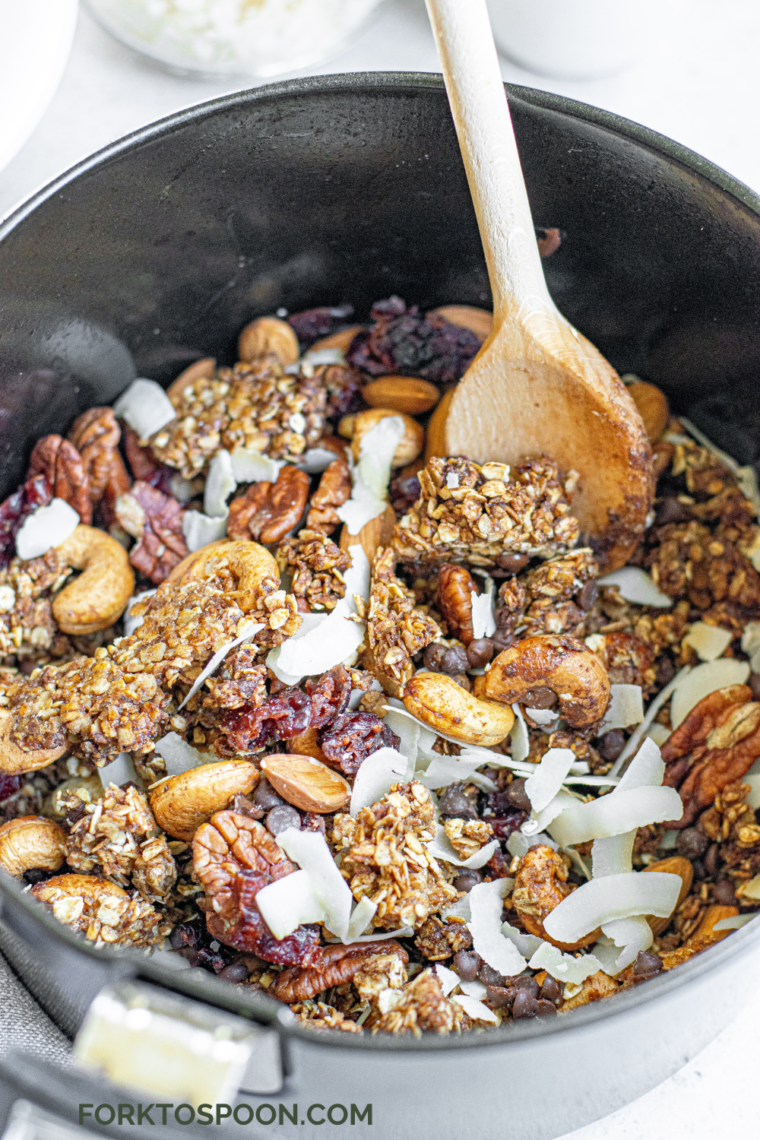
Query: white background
x=699 y=82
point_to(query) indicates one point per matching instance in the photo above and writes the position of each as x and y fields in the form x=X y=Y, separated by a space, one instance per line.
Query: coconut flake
x=519 y=741
x=448 y=979
x=119 y=771
x=376 y=776
x=248 y=466
x=564 y=967
x=361 y=917
x=548 y=777
x=372 y=473
x=382 y=935
x=539 y=820
x=709 y=641
x=751 y=644
x=647 y=769
x=309 y=622
x=324 y=646
x=357 y=577
x=615 y=814
x=133 y=623
x=288 y=903
x=734 y=922
x=486 y=904
x=527 y=944
x=543 y=717
x=315 y=460
x=45 y=528
x=199 y=530
x=632 y=935
x=625 y=708
x=518 y=843
x=752 y=798
x=635 y=585
x=639 y=733
x=219 y=656
x=702 y=681
x=309 y=849
x=615 y=896
x=179 y=756
x=441 y=848
x=220 y=483
x=483 y=619
x=475 y=1009
x=751 y=890
x=613 y=856
x=145 y=406
x=474 y=990
x=317 y=356
x=445 y=770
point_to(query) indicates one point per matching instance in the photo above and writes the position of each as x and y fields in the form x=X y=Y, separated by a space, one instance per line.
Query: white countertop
x=700 y=84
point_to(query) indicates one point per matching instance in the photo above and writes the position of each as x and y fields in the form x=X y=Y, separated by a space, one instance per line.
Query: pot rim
x=127 y=962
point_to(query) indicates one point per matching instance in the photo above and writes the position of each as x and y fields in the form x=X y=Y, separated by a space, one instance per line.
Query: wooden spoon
x=536 y=386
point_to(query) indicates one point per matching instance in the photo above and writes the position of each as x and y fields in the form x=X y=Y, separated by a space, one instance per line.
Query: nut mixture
x=160 y=769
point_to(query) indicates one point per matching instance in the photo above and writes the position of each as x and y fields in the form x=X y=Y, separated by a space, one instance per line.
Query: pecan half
x=540 y=886
x=333 y=491
x=61 y=464
x=233 y=858
x=268 y=511
x=96 y=435
x=337 y=965
x=455 y=590
x=155 y=519
x=714 y=746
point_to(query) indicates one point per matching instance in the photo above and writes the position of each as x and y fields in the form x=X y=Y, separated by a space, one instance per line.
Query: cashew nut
x=563 y=664
x=99 y=596
x=540 y=886
x=410 y=444
x=251 y=563
x=268 y=336
x=87 y=788
x=31 y=841
x=14 y=759
x=438 y=701
x=182 y=803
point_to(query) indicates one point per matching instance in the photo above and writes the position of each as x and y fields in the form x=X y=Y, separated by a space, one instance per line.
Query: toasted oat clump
x=117 y=701
x=467 y=836
x=255 y=406
x=378 y=974
x=319 y=1015
x=419 y=1007
x=469 y=513
x=554 y=593
x=119 y=837
x=27 y=626
x=396 y=627
x=102 y=911
x=318 y=566
x=385 y=857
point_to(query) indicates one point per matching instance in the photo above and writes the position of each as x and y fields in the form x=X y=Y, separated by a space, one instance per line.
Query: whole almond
x=306 y=783
x=341 y=339
x=653 y=407
x=706 y=934
x=306 y=744
x=182 y=803
x=377 y=532
x=402 y=393
x=268 y=336
x=478 y=321
x=410 y=445
x=675 y=865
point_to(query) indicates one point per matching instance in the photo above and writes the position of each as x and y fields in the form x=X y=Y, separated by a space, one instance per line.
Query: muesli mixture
x=291 y=697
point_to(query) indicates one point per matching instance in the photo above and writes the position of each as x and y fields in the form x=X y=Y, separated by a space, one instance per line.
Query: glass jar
x=227 y=37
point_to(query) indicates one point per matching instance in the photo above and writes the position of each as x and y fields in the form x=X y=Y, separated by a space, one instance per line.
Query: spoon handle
x=487 y=141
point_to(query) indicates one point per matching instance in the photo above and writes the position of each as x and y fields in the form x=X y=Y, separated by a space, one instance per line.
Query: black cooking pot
x=351 y=188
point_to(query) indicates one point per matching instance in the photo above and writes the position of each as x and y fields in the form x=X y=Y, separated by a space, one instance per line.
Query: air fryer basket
x=350 y=188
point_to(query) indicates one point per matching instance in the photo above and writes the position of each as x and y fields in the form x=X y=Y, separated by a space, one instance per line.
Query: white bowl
x=35 y=43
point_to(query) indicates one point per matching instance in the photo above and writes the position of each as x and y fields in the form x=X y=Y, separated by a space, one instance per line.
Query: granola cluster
x=258 y=406
x=474 y=514
x=27 y=627
x=554 y=597
x=317 y=565
x=385 y=857
x=102 y=911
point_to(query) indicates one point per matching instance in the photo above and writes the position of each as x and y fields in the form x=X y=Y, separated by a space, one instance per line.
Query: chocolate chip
x=525 y=1005
x=281 y=818
x=647 y=964
x=517 y=796
x=551 y=990
x=671 y=510
x=527 y=983
x=481 y=651
x=466 y=964
x=545 y=1008
x=490 y=977
x=539 y=698
x=35 y=875
x=467 y=880
x=512 y=563
x=265 y=795
x=433 y=656
x=455 y=660
x=724 y=893
x=502 y=639
x=500 y=997
x=455 y=804
x=692 y=843
x=611 y=744
x=711 y=861
x=235 y=972
x=666 y=670
x=587 y=595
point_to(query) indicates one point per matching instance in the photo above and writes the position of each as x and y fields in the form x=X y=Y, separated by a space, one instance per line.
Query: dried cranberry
x=352 y=737
x=505 y=824
x=404 y=493
x=30 y=495
x=279 y=718
x=312 y=324
x=9 y=785
x=403 y=342
x=329 y=695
